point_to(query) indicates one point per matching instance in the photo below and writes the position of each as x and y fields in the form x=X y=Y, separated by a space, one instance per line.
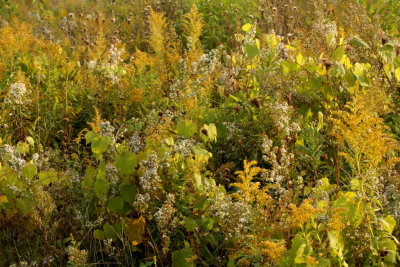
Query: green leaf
x=189 y=224
x=115 y=204
x=336 y=243
x=200 y=151
x=22 y=148
x=288 y=67
x=232 y=101
x=128 y=193
x=90 y=136
x=101 y=144
x=90 y=174
x=30 y=141
x=98 y=234
x=25 y=204
x=359 y=42
x=29 y=170
x=183 y=257
x=101 y=188
x=126 y=163
x=47 y=177
x=112 y=232
x=338 y=53
x=388 y=223
x=251 y=50
x=186 y=128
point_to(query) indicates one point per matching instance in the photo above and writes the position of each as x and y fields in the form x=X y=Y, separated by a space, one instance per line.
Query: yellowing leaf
x=247 y=27
x=135 y=230
x=3 y=199
x=397 y=74
x=300 y=59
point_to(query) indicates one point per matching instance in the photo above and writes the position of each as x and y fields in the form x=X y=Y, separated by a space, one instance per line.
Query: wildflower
x=17 y=93
x=272 y=250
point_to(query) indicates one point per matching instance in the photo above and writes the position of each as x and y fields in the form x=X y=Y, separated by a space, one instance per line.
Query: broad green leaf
x=88 y=181
x=101 y=188
x=126 y=163
x=189 y=224
x=98 y=234
x=288 y=67
x=101 y=144
x=186 y=128
x=47 y=177
x=112 y=231
x=25 y=204
x=116 y=204
x=22 y=148
x=128 y=193
x=90 y=136
x=251 y=50
x=338 y=53
x=29 y=170
x=388 y=223
x=183 y=257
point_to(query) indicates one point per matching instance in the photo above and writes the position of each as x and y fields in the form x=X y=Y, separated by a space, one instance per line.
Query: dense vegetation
x=199 y=133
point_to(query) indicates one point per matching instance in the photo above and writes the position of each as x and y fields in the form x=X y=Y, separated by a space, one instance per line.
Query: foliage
x=199 y=133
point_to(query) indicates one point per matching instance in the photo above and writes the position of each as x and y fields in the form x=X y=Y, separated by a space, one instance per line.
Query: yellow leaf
x=3 y=199
x=397 y=73
x=300 y=59
x=135 y=230
x=247 y=27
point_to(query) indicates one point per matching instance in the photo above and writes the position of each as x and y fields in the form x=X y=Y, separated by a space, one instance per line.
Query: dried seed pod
x=328 y=64
x=256 y=102
x=384 y=40
x=397 y=50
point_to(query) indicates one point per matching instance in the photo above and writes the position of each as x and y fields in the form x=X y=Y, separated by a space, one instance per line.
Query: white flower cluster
x=184 y=147
x=115 y=55
x=166 y=213
x=12 y=157
x=16 y=94
x=136 y=143
x=233 y=216
x=283 y=51
x=150 y=181
x=142 y=201
x=111 y=68
x=327 y=29
x=281 y=116
x=106 y=129
x=166 y=221
x=280 y=160
x=112 y=175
